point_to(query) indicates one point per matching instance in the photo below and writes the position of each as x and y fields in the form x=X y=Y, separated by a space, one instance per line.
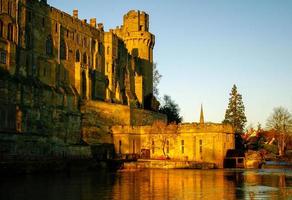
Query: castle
x=64 y=81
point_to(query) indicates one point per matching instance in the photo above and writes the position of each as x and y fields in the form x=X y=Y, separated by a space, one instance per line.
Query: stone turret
x=140 y=42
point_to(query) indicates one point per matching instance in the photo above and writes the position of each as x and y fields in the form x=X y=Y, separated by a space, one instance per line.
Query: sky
x=204 y=47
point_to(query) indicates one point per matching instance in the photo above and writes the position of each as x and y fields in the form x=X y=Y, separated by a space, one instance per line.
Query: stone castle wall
x=192 y=142
x=98 y=118
x=57 y=72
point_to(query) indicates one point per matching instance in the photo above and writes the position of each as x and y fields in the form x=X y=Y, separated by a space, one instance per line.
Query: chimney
x=93 y=22
x=75 y=13
x=100 y=26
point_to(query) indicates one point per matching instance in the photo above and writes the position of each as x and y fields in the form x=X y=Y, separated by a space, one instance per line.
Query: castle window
x=77 y=56
x=107 y=50
x=100 y=48
x=27 y=39
x=67 y=33
x=84 y=42
x=9 y=8
x=153 y=147
x=56 y=28
x=49 y=46
x=77 y=39
x=167 y=146
x=201 y=146
x=2 y=57
x=182 y=146
x=84 y=58
x=1 y=28
x=43 y=22
x=120 y=146
x=63 y=50
x=10 y=32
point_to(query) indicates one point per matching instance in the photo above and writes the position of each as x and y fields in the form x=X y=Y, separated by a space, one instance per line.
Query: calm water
x=151 y=184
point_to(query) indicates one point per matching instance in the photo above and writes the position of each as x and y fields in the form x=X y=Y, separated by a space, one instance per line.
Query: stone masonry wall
x=98 y=117
x=194 y=142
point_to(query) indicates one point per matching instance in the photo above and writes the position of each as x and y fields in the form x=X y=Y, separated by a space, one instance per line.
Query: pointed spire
x=202 y=115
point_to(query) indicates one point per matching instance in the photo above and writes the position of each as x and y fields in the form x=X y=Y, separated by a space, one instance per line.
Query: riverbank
x=167 y=164
x=52 y=166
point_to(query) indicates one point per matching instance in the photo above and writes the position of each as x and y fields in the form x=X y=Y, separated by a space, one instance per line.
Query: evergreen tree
x=235 y=112
x=170 y=109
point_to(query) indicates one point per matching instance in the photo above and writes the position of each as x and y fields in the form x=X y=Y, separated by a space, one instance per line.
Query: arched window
x=49 y=46
x=84 y=58
x=9 y=8
x=84 y=42
x=27 y=39
x=1 y=28
x=10 y=32
x=63 y=50
x=77 y=56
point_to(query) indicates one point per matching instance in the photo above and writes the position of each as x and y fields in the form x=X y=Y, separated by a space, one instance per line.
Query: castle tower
x=202 y=115
x=140 y=42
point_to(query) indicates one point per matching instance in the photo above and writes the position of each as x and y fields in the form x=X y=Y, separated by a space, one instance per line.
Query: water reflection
x=152 y=184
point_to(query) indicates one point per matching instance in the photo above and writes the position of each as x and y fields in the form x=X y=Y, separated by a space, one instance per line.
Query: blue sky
x=204 y=47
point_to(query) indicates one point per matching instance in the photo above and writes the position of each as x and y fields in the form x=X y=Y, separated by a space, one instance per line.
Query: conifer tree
x=235 y=112
x=171 y=110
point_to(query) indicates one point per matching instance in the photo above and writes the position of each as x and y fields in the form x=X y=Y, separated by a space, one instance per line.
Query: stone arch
x=10 y=32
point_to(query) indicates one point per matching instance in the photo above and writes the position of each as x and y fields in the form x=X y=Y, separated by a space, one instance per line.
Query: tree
x=160 y=137
x=235 y=112
x=281 y=121
x=156 y=79
x=170 y=109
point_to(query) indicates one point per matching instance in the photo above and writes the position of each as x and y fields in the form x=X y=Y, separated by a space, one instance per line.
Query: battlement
x=184 y=128
x=136 y=21
x=206 y=127
x=40 y=7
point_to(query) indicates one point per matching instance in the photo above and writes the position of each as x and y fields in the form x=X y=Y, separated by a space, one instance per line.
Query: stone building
x=200 y=142
x=65 y=82
x=57 y=71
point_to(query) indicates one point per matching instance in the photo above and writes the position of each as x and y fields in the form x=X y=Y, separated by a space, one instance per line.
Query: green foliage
x=171 y=109
x=235 y=113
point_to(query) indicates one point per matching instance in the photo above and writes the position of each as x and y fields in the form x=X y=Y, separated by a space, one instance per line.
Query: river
x=151 y=184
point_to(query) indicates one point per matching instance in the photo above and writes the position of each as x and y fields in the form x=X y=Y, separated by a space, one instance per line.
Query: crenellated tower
x=139 y=43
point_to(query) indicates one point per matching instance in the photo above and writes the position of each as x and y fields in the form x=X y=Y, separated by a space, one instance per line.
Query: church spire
x=202 y=115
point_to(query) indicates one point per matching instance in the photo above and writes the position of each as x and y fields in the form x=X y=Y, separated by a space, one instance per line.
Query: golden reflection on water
x=150 y=185
x=200 y=184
